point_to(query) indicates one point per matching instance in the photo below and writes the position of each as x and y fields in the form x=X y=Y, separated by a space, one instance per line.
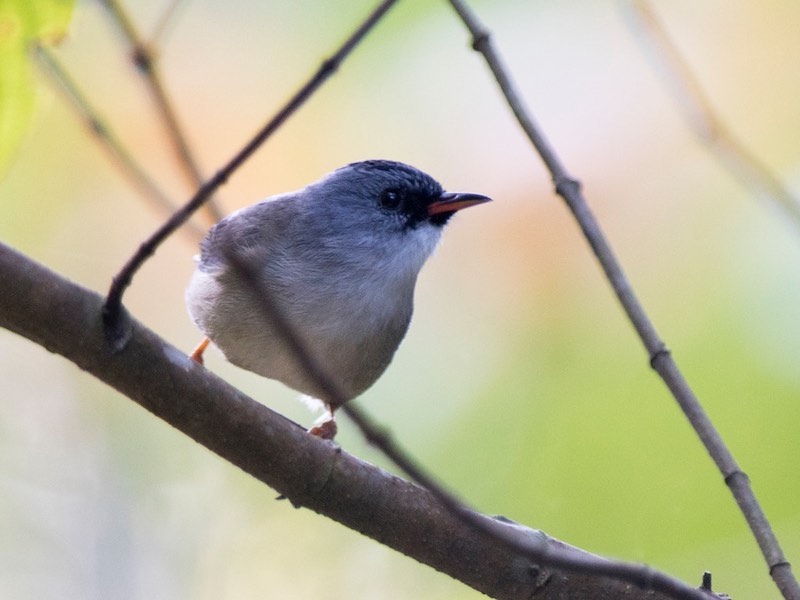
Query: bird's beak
x=450 y=202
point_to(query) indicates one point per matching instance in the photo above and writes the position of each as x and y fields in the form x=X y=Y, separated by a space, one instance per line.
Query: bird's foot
x=197 y=353
x=325 y=430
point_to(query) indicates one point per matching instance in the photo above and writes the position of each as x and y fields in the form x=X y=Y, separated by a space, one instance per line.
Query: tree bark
x=65 y=318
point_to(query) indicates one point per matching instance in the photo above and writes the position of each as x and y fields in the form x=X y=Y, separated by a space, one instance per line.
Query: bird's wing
x=257 y=230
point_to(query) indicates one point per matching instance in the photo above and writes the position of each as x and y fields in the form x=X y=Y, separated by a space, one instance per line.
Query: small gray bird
x=339 y=260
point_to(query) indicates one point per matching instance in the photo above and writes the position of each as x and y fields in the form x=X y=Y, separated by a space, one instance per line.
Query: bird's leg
x=197 y=353
x=326 y=429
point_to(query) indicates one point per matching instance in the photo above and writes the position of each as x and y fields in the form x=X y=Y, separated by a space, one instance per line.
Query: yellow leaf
x=23 y=23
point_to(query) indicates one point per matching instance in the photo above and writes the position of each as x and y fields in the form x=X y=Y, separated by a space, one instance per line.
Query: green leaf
x=23 y=23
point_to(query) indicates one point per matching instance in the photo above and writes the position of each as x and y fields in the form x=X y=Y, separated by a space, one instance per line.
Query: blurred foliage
x=23 y=23
x=520 y=383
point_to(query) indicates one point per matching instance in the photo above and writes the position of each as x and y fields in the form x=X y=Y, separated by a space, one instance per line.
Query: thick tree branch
x=66 y=319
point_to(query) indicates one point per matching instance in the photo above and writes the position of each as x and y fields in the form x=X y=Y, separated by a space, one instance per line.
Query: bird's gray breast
x=349 y=300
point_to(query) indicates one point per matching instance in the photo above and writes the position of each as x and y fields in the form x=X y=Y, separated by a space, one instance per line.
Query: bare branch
x=106 y=137
x=660 y=358
x=703 y=119
x=145 y=62
x=167 y=18
x=65 y=318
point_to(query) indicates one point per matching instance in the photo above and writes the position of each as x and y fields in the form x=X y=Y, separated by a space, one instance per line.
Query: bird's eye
x=391 y=199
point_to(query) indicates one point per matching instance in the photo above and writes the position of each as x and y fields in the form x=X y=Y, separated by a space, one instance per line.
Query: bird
x=337 y=262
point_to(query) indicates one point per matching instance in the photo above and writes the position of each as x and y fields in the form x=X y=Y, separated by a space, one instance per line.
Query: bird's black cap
x=412 y=193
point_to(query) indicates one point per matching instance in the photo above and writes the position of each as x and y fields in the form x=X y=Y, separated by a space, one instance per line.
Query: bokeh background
x=520 y=383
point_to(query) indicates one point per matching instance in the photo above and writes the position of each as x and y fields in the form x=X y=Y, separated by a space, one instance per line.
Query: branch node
x=481 y=39
x=98 y=127
x=142 y=59
x=116 y=326
x=659 y=354
x=566 y=186
x=779 y=565
x=736 y=474
x=706 y=585
x=328 y=67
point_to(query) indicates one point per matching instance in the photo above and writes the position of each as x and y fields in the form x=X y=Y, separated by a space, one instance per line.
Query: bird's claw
x=197 y=353
x=325 y=430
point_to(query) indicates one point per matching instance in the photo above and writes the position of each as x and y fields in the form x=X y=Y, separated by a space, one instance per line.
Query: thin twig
x=660 y=358
x=703 y=119
x=144 y=60
x=112 y=309
x=106 y=137
x=165 y=20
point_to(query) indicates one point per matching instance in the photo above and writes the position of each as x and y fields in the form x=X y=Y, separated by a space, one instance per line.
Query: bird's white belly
x=350 y=341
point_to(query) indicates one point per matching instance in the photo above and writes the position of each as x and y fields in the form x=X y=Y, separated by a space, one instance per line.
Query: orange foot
x=197 y=353
x=325 y=430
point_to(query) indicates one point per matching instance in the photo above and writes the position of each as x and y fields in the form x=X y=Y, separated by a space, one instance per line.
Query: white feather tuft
x=315 y=405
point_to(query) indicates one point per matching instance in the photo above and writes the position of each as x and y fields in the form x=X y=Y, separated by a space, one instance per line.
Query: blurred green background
x=520 y=384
